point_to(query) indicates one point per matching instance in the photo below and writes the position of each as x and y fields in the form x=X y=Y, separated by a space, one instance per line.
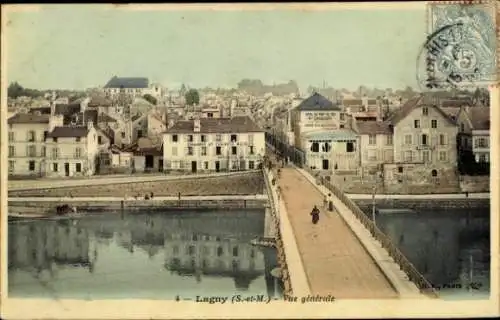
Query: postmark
x=460 y=50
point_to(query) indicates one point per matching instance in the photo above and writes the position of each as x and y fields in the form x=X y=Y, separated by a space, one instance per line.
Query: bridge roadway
x=335 y=261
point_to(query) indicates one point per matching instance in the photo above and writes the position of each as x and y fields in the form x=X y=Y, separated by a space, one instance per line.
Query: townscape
x=242 y=173
x=401 y=142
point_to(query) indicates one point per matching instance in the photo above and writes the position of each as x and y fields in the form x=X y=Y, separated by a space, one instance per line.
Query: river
x=162 y=255
x=451 y=248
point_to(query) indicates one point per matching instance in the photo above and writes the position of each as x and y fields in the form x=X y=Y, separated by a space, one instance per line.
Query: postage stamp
x=460 y=50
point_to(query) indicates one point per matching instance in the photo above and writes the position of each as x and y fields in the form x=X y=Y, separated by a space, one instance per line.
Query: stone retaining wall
x=424 y=203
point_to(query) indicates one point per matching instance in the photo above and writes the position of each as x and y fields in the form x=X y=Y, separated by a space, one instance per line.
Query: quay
x=43 y=205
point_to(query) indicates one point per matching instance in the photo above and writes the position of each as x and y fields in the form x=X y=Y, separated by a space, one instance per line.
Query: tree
x=149 y=98
x=192 y=97
x=15 y=90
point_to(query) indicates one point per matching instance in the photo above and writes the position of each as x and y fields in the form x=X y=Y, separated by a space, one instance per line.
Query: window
x=251 y=150
x=342 y=116
x=99 y=140
x=139 y=133
x=425 y=111
x=481 y=143
x=123 y=134
x=11 y=166
x=43 y=151
x=425 y=156
x=482 y=158
x=203 y=151
x=233 y=150
x=45 y=133
x=203 y=138
x=31 y=136
x=400 y=169
x=31 y=165
x=416 y=123
x=250 y=138
x=174 y=138
x=175 y=250
x=12 y=151
x=54 y=139
x=205 y=165
x=191 y=250
x=349 y=147
x=190 y=151
x=190 y=138
x=235 y=251
x=54 y=167
x=434 y=173
x=218 y=137
x=77 y=139
x=78 y=167
x=408 y=156
x=11 y=136
x=78 y=153
x=220 y=251
x=434 y=123
x=315 y=147
x=442 y=139
x=442 y=155
x=372 y=139
x=174 y=151
x=55 y=153
x=325 y=147
x=218 y=151
x=424 y=139
x=251 y=165
x=210 y=115
x=388 y=140
x=462 y=127
x=31 y=151
x=372 y=155
x=408 y=139
x=234 y=138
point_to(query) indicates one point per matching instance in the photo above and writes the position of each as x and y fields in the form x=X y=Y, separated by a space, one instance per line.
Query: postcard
x=299 y=160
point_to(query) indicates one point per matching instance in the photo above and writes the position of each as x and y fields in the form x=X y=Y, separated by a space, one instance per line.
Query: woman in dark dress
x=315 y=215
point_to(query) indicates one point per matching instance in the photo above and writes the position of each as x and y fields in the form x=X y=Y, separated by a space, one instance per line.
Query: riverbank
x=43 y=207
x=413 y=202
x=244 y=183
x=429 y=197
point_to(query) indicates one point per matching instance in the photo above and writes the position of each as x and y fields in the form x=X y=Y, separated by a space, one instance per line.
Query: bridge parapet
x=405 y=265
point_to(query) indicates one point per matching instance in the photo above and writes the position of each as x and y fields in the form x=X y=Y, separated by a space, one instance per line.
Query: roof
x=373 y=127
x=28 y=118
x=103 y=117
x=68 y=132
x=42 y=110
x=107 y=132
x=66 y=109
x=457 y=103
x=317 y=102
x=99 y=101
x=452 y=112
x=331 y=135
x=144 y=146
x=217 y=125
x=413 y=103
x=479 y=117
x=127 y=83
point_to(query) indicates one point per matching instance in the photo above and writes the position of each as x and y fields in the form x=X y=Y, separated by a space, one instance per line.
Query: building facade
x=225 y=144
x=26 y=148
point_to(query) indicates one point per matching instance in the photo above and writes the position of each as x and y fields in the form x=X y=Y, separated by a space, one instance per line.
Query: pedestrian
x=466 y=194
x=315 y=215
x=179 y=196
x=151 y=195
x=325 y=202
x=146 y=196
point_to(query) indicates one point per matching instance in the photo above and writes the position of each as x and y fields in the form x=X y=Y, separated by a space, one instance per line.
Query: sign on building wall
x=324 y=120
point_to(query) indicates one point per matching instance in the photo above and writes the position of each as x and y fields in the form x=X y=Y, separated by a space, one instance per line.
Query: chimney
x=197 y=125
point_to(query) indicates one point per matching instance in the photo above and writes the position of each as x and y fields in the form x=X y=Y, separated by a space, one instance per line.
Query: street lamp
x=373 y=203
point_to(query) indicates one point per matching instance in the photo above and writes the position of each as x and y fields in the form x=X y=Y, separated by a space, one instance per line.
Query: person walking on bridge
x=315 y=215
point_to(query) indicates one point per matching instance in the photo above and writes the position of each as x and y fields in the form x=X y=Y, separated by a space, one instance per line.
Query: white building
x=211 y=144
x=134 y=86
x=72 y=151
x=27 y=134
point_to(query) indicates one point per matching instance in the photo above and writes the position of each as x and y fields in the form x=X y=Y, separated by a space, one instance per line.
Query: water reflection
x=450 y=248
x=147 y=255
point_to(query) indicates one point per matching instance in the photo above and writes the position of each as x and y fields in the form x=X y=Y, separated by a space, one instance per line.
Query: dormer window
x=425 y=111
x=234 y=138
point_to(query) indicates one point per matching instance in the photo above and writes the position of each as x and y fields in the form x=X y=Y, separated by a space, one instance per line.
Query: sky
x=76 y=47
